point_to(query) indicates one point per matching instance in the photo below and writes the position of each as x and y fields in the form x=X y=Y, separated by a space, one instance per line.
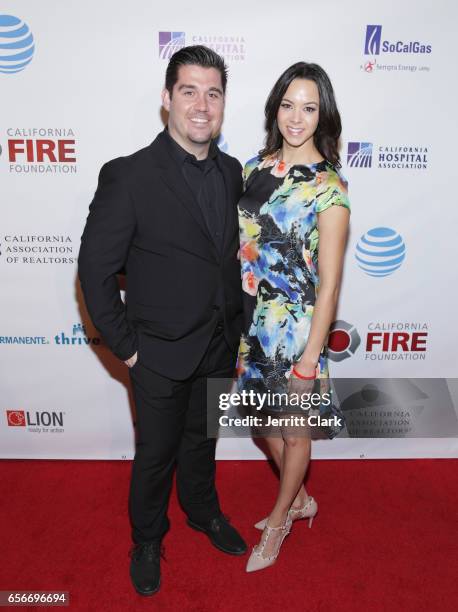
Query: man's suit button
x=215 y=307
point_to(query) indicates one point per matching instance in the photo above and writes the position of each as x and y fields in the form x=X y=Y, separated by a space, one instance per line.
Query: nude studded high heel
x=257 y=561
x=309 y=510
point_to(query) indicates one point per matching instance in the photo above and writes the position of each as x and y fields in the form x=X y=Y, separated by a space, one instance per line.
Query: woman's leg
x=276 y=448
x=294 y=462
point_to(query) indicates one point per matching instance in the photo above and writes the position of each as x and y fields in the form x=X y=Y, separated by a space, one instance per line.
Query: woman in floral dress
x=294 y=218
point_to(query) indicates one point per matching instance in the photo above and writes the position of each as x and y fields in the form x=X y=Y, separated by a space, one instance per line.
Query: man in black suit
x=168 y=215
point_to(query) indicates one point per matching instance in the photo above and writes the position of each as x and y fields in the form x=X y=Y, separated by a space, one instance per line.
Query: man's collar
x=181 y=154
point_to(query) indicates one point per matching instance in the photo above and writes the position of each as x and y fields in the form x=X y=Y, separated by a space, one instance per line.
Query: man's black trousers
x=171 y=428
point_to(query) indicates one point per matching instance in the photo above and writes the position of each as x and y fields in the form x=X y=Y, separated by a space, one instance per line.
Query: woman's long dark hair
x=326 y=136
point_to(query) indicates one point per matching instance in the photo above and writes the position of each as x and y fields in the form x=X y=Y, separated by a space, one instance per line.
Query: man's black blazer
x=144 y=218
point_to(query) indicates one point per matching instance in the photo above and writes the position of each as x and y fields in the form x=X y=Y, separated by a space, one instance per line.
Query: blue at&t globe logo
x=380 y=251
x=16 y=44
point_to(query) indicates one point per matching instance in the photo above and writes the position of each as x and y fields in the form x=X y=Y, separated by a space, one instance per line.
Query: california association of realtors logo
x=380 y=251
x=38 y=249
x=17 y=45
x=394 y=157
x=231 y=48
x=374 y=45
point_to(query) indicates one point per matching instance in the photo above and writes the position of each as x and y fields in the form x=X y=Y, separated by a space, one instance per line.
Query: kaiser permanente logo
x=231 y=48
x=40 y=421
x=77 y=337
x=16 y=44
x=393 y=157
x=41 y=150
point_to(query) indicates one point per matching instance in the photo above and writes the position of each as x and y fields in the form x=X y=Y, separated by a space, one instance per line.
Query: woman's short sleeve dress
x=279 y=244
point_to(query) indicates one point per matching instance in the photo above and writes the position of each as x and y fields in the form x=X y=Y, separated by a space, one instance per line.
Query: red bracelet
x=301 y=376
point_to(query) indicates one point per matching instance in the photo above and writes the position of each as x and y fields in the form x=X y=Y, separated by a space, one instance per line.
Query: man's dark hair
x=196 y=55
x=326 y=137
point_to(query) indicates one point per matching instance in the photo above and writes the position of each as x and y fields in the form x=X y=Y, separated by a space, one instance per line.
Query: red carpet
x=385 y=539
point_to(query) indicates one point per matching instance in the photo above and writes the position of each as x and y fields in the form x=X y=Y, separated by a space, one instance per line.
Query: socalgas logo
x=343 y=340
x=41 y=150
x=78 y=337
x=231 y=48
x=375 y=45
x=396 y=341
x=40 y=421
x=403 y=55
x=380 y=251
x=16 y=44
x=394 y=157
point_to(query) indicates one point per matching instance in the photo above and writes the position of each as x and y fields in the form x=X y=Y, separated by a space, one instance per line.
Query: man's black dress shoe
x=222 y=535
x=145 y=568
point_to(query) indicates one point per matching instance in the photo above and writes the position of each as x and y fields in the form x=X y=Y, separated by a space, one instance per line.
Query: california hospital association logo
x=17 y=45
x=170 y=42
x=393 y=157
x=359 y=154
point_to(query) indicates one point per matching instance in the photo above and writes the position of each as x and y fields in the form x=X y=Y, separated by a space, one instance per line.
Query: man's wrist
x=132 y=360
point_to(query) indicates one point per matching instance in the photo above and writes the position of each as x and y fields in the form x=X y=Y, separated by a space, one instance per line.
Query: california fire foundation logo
x=343 y=340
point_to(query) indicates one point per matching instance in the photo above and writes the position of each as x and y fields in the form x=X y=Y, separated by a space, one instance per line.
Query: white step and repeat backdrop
x=80 y=83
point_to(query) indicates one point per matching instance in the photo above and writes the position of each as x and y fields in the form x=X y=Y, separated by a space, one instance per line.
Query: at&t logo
x=380 y=252
x=222 y=143
x=16 y=44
